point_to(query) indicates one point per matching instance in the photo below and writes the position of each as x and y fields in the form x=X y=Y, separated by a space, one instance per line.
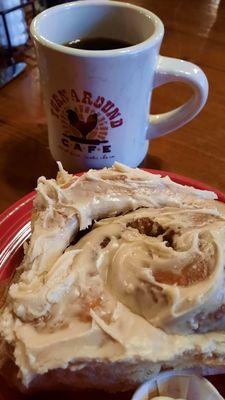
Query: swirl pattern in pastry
x=144 y=285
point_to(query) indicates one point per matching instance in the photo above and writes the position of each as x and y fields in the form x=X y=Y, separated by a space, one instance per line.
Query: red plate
x=15 y=230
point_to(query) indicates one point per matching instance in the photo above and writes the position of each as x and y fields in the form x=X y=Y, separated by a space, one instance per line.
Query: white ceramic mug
x=97 y=102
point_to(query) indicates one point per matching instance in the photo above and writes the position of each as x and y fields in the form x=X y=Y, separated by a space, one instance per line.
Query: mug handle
x=175 y=70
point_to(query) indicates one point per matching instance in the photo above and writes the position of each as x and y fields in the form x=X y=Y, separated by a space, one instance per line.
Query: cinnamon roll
x=123 y=277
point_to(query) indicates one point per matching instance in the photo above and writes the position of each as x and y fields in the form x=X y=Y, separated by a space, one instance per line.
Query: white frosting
x=117 y=293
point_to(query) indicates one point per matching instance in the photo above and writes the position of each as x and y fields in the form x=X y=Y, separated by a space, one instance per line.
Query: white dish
x=177 y=385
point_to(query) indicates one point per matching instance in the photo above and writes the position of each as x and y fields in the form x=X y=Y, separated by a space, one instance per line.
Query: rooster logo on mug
x=84 y=119
x=86 y=125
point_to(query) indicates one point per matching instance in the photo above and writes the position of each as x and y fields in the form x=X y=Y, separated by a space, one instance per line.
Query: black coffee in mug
x=98 y=43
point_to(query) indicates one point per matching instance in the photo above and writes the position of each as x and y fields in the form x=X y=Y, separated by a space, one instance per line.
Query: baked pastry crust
x=141 y=291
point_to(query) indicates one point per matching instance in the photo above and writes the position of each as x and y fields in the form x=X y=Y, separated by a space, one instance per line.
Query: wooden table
x=194 y=31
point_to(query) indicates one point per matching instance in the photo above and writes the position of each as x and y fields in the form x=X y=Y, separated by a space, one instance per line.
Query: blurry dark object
x=28 y=7
x=15 y=23
x=9 y=52
x=51 y=3
x=11 y=72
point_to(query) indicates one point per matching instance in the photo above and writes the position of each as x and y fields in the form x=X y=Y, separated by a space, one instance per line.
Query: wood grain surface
x=194 y=31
